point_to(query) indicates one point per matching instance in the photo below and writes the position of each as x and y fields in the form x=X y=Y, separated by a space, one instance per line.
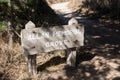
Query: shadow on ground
x=99 y=59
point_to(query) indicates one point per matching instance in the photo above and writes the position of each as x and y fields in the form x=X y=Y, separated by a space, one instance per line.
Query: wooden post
x=31 y=63
x=31 y=59
x=71 y=57
x=38 y=40
x=10 y=24
x=11 y=34
x=71 y=53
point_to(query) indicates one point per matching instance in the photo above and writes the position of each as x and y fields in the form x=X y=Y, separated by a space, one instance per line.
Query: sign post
x=44 y=40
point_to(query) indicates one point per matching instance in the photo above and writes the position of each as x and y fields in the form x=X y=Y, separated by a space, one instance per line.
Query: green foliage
x=3 y=26
x=31 y=1
x=4 y=1
x=21 y=11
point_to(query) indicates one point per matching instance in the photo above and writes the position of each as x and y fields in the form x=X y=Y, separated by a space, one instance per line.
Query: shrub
x=109 y=8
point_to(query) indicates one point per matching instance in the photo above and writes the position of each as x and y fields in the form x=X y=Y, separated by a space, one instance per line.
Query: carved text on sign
x=39 y=40
x=54 y=34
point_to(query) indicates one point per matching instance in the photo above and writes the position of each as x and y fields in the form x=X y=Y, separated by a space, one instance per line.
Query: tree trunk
x=10 y=25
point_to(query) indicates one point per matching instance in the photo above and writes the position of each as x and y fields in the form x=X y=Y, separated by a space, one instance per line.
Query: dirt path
x=61 y=8
x=99 y=59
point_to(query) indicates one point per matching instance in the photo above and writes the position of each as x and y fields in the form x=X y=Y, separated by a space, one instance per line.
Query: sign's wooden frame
x=40 y=40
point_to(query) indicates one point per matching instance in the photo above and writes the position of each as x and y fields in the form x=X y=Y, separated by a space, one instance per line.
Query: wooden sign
x=43 y=40
x=39 y=40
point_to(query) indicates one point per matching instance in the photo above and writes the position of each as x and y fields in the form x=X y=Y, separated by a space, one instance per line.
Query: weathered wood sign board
x=43 y=40
x=39 y=40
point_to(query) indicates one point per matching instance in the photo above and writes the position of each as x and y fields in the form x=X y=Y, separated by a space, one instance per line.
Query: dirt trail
x=99 y=59
x=61 y=8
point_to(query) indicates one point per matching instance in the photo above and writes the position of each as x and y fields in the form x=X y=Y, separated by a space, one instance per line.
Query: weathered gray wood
x=11 y=34
x=39 y=40
x=71 y=57
x=73 y=21
x=71 y=53
x=30 y=25
x=31 y=62
x=34 y=65
x=31 y=59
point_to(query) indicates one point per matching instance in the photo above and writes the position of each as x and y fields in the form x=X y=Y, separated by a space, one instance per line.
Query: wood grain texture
x=39 y=40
